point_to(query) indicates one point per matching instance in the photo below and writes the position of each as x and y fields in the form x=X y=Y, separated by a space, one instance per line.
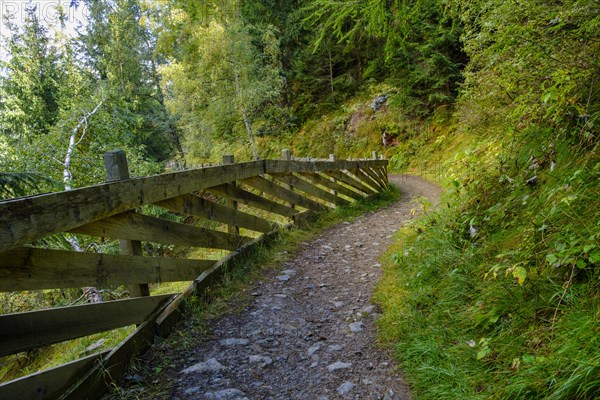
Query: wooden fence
x=248 y=198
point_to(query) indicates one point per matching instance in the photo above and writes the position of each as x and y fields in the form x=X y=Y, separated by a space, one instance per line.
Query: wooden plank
x=28 y=268
x=26 y=331
x=350 y=180
x=194 y=205
x=318 y=179
x=253 y=200
x=309 y=188
x=231 y=229
x=48 y=384
x=282 y=193
x=288 y=167
x=375 y=177
x=26 y=219
x=97 y=380
x=169 y=316
x=133 y=226
x=117 y=169
x=382 y=175
x=365 y=178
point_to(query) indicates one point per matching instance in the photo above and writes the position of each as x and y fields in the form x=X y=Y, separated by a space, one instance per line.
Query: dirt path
x=309 y=332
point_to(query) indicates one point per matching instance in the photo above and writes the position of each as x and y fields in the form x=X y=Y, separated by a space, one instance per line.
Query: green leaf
x=595 y=257
x=580 y=264
x=520 y=274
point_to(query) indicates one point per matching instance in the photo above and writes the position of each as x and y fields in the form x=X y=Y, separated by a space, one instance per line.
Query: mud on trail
x=308 y=332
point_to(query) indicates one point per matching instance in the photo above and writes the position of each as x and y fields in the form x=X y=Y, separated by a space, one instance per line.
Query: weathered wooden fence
x=283 y=190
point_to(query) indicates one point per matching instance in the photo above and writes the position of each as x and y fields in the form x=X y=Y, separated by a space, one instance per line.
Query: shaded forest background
x=495 y=295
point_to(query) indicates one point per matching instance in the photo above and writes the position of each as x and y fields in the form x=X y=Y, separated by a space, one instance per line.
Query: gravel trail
x=309 y=332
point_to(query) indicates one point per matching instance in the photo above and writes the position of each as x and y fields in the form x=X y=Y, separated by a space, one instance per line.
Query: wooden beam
x=49 y=384
x=380 y=175
x=318 y=179
x=133 y=226
x=375 y=177
x=309 y=188
x=28 y=268
x=117 y=169
x=282 y=193
x=232 y=229
x=26 y=331
x=351 y=181
x=26 y=219
x=194 y=205
x=287 y=167
x=365 y=178
x=383 y=171
x=97 y=380
x=253 y=200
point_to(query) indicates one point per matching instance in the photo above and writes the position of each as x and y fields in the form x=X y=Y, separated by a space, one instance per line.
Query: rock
x=210 y=365
x=314 y=348
x=334 y=347
x=136 y=378
x=338 y=304
x=338 y=365
x=258 y=359
x=289 y=272
x=233 y=342
x=378 y=102
x=192 y=390
x=226 y=394
x=284 y=278
x=356 y=327
x=345 y=388
x=94 y=346
x=369 y=309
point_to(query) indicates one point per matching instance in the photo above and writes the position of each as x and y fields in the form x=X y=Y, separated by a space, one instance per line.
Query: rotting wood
x=135 y=226
x=318 y=179
x=309 y=188
x=26 y=219
x=282 y=193
x=350 y=180
x=48 y=384
x=29 y=268
x=253 y=200
x=29 y=330
x=194 y=205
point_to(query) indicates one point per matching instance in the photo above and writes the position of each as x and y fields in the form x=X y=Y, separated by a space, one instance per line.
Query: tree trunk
x=250 y=134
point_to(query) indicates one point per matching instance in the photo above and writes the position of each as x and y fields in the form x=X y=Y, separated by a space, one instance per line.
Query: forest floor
x=309 y=330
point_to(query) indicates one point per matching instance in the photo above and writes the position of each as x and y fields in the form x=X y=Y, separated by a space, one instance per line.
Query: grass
x=511 y=311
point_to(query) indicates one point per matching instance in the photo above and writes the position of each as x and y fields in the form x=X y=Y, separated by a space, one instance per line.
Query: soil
x=309 y=331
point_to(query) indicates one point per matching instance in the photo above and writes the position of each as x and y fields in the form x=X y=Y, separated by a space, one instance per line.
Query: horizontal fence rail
x=226 y=208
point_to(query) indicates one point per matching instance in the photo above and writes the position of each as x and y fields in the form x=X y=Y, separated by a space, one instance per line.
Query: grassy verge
x=496 y=294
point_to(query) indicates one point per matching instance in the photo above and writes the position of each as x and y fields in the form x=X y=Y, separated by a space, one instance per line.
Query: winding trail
x=309 y=332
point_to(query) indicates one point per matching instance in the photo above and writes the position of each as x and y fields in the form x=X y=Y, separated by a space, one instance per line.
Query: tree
x=226 y=77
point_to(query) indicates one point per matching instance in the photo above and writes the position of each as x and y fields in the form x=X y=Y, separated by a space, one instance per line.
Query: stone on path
x=258 y=359
x=356 y=327
x=234 y=342
x=210 y=365
x=226 y=394
x=345 y=388
x=338 y=365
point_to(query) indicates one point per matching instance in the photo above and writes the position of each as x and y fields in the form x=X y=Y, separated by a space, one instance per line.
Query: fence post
x=286 y=155
x=375 y=157
x=232 y=229
x=332 y=158
x=117 y=169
